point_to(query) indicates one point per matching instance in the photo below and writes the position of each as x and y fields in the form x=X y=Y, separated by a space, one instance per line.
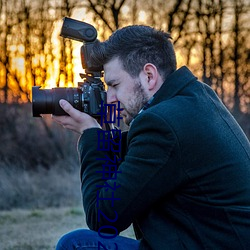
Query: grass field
x=40 y=229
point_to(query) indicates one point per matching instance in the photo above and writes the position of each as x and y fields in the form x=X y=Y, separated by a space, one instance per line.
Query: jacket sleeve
x=149 y=172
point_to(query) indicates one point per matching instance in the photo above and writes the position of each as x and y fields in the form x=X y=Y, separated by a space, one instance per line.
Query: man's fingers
x=76 y=120
x=68 y=108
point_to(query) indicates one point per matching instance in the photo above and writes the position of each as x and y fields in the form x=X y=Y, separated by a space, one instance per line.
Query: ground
x=40 y=229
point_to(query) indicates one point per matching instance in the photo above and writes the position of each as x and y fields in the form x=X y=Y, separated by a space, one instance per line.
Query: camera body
x=90 y=96
x=91 y=99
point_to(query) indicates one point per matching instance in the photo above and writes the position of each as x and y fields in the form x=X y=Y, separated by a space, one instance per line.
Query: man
x=184 y=169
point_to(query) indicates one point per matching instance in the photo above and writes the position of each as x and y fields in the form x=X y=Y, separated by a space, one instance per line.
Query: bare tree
x=216 y=31
x=109 y=12
x=239 y=53
x=66 y=8
x=4 y=56
x=11 y=77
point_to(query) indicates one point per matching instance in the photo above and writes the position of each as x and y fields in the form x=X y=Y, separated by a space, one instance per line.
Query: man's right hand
x=76 y=121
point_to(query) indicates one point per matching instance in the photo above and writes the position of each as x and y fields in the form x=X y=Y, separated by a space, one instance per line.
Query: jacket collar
x=173 y=84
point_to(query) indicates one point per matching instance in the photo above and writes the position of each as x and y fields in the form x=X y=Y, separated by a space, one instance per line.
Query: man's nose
x=111 y=97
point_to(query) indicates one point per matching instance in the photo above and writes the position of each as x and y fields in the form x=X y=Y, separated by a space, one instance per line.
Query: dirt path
x=40 y=229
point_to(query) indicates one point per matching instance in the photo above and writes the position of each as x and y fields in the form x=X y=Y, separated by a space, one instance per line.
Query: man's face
x=123 y=88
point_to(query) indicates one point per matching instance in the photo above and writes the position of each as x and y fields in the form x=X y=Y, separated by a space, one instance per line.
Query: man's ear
x=152 y=75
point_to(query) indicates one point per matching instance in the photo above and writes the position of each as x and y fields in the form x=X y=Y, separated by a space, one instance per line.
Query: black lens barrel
x=46 y=101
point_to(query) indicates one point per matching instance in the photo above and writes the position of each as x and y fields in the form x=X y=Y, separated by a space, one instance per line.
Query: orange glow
x=180 y=58
x=43 y=68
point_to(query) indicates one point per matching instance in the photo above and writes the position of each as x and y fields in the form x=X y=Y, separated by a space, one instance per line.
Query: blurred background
x=38 y=159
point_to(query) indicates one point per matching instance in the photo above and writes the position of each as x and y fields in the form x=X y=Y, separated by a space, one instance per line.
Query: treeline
x=211 y=37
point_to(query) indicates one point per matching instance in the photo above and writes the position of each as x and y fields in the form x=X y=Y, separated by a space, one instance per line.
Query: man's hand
x=76 y=121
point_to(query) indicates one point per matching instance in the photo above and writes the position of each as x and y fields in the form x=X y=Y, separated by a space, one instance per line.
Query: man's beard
x=135 y=103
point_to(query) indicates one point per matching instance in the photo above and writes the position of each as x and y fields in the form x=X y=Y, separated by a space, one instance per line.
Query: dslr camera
x=90 y=96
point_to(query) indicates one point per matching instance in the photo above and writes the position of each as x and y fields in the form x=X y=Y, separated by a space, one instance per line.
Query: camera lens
x=46 y=101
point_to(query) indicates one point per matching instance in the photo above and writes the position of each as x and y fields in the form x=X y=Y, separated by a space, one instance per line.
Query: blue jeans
x=84 y=239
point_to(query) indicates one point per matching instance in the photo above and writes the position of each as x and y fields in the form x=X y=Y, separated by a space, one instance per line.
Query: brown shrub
x=38 y=160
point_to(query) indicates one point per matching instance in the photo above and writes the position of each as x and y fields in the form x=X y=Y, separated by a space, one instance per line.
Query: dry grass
x=41 y=188
x=40 y=229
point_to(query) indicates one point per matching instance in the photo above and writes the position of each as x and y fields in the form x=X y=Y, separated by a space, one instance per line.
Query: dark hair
x=135 y=46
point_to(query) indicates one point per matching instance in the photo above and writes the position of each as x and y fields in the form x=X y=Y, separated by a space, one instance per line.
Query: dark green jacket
x=185 y=178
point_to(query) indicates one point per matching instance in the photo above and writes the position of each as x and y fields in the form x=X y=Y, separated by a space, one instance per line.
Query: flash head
x=76 y=30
